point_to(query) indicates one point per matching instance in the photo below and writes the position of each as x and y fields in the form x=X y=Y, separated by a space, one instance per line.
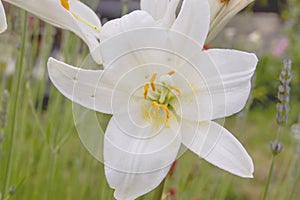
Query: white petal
x=3 y=24
x=137 y=161
x=193 y=20
x=140 y=150
x=132 y=21
x=236 y=69
x=220 y=81
x=156 y=8
x=164 y=47
x=168 y=20
x=221 y=14
x=54 y=13
x=129 y=186
x=218 y=146
x=85 y=87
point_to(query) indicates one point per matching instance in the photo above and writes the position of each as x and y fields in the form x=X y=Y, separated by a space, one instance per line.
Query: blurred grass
x=49 y=161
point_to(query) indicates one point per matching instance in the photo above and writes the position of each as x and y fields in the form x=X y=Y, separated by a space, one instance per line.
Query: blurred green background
x=49 y=161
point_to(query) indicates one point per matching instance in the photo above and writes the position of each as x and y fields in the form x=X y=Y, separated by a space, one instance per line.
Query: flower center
x=66 y=5
x=161 y=94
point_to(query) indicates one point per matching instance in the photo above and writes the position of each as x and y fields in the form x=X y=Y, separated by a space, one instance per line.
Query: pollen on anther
x=176 y=89
x=65 y=4
x=152 y=81
x=165 y=108
x=156 y=106
x=171 y=72
x=224 y=1
x=146 y=88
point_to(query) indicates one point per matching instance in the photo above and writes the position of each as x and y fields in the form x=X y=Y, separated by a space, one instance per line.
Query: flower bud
x=276 y=147
x=221 y=11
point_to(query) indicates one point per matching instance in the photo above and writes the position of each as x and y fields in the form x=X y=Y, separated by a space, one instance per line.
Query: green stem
x=50 y=185
x=124 y=7
x=159 y=190
x=294 y=186
x=272 y=163
x=269 y=177
x=13 y=108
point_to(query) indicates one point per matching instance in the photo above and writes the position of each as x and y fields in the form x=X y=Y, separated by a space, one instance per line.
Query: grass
x=50 y=162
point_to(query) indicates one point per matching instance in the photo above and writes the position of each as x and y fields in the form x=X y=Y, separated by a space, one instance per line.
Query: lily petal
x=3 y=24
x=192 y=22
x=79 y=19
x=129 y=186
x=169 y=18
x=126 y=23
x=236 y=69
x=221 y=84
x=156 y=8
x=218 y=146
x=221 y=14
x=136 y=162
x=85 y=87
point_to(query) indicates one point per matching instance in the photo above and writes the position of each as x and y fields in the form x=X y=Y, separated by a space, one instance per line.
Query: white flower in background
x=66 y=14
x=221 y=11
x=162 y=92
x=3 y=24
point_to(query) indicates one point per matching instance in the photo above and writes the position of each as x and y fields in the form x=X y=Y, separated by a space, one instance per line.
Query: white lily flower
x=66 y=14
x=222 y=11
x=162 y=91
x=3 y=24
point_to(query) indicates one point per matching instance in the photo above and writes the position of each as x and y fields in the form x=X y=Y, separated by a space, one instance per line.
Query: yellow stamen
x=166 y=109
x=146 y=88
x=171 y=72
x=224 y=1
x=65 y=4
x=152 y=81
x=176 y=89
x=86 y=22
x=161 y=106
x=156 y=106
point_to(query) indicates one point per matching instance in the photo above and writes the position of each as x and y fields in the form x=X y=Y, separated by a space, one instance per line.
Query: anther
x=65 y=4
x=171 y=72
x=224 y=1
x=176 y=89
x=156 y=106
x=166 y=109
x=146 y=88
x=152 y=82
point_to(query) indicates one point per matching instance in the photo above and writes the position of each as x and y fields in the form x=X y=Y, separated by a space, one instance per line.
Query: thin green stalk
x=269 y=177
x=51 y=175
x=275 y=151
x=13 y=108
x=295 y=186
x=159 y=190
x=124 y=7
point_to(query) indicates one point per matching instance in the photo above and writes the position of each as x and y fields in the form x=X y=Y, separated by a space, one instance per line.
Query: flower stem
x=294 y=186
x=269 y=177
x=124 y=7
x=159 y=190
x=13 y=108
